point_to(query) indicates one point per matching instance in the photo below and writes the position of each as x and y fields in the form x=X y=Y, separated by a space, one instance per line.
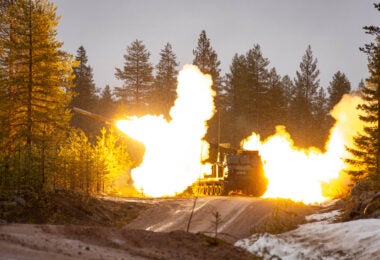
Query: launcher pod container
x=92 y=115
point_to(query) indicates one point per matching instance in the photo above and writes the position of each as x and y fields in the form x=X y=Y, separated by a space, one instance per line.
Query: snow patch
x=327 y=216
x=359 y=239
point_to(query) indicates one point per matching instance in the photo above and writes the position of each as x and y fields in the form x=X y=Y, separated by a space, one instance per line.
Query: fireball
x=298 y=174
x=172 y=159
x=173 y=150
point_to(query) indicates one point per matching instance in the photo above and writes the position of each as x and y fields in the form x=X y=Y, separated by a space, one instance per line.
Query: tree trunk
x=30 y=83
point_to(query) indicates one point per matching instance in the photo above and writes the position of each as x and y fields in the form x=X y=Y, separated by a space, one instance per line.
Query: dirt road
x=240 y=216
x=168 y=218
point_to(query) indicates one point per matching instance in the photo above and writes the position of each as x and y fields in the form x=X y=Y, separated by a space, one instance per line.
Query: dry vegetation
x=66 y=207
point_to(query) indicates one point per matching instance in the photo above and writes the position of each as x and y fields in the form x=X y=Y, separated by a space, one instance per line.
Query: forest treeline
x=41 y=147
x=44 y=145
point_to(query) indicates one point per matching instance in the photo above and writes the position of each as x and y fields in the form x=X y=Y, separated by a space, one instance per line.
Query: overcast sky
x=283 y=29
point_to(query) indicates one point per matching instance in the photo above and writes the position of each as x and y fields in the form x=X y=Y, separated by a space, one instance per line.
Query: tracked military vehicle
x=240 y=172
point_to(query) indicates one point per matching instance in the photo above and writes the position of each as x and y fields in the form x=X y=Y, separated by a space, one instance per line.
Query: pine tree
x=38 y=81
x=366 y=153
x=137 y=76
x=165 y=83
x=304 y=104
x=7 y=90
x=339 y=86
x=85 y=97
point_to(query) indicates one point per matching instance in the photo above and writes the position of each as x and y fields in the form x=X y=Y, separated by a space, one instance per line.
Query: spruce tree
x=235 y=87
x=137 y=76
x=277 y=103
x=339 y=86
x=361 y=85
x=237 y=99
x=107 y=105
x=257 y=77
x=321 y=120
x=85 y=94
x=247 y=94
x=289 y=93
x=165 y=83
x=366 y=153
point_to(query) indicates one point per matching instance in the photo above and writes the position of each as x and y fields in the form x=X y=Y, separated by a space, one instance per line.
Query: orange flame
x=172 y=149
x=296 y=173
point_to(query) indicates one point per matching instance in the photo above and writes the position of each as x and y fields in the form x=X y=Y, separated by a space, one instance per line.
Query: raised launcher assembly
x=92 y=115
